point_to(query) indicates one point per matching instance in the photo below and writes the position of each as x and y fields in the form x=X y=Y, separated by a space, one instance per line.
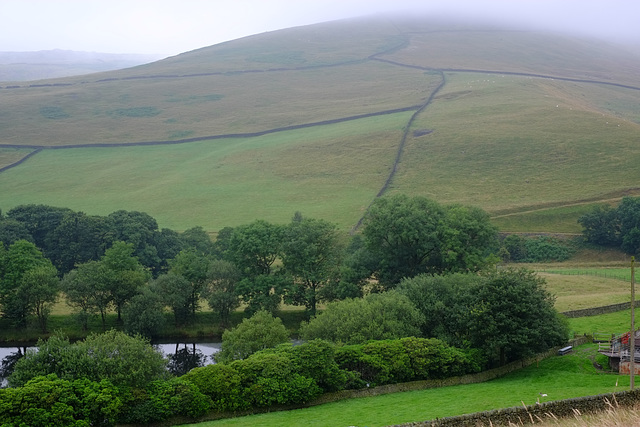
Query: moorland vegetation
x=323 y=118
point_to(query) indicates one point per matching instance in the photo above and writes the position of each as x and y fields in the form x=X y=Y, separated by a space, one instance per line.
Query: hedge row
x=285 y=376
x=48 y=401
x=293 y=375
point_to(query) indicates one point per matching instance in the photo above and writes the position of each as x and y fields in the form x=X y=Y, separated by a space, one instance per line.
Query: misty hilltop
x=47 y=64
x=322 y=119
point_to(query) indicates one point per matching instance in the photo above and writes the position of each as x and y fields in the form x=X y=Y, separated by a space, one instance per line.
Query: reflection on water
x=9 y=359
x=183 y=357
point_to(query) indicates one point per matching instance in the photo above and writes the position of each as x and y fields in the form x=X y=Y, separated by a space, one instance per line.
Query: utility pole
x=632 y=336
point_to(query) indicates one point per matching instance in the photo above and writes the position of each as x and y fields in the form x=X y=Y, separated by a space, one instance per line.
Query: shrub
x=316 y=360
x=222 y=383
x=270 y=378
x=260 y=331
x=113 y=355
x=406 y=359
x=164 y=399
x=49 y=400
x=388 y=315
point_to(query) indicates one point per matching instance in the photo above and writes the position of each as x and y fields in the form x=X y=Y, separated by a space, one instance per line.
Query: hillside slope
x=323 y=118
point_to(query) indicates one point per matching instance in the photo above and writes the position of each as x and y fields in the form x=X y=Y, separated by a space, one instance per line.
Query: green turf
x=558 y=377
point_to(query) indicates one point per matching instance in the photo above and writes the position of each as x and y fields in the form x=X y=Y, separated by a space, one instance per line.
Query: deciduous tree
x=260 y=331
x=221 y=291
x=311 y=256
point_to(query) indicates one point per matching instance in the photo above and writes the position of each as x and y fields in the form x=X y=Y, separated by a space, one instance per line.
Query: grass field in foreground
x=558 y=377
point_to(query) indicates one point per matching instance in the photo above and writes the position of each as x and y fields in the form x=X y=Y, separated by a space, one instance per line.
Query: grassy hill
x=534 y=128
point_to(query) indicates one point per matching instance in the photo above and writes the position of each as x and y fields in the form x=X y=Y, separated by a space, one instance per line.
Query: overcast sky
x=174 y=26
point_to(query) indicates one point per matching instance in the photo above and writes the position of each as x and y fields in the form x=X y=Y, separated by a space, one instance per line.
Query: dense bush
x=271 y=379
x=50 y=401
x=388 y=315
x=115 y=356
x=534 y=249
x=164 y=399
x=221 y=383
x=260 y=331
x=406 y=359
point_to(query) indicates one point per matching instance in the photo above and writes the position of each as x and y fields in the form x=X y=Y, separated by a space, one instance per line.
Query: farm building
x=617 y=350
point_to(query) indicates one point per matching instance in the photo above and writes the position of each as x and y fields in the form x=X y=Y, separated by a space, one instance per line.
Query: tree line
x=124 y=262
x=617 y=227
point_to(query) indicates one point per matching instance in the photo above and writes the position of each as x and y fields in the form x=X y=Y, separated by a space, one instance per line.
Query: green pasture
x=576 y=292
x=535 y=153
x=159 y=109
x=563 y=219
x=330 y=172
x=516 y=144
x=557 y=377
x=610 y=323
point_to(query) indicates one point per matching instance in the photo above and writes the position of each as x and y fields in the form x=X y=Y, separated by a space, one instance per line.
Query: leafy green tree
x=410 y=236
x=11 y=231
x=628 y=213
x=144 y=314
x=444 y=301
x=221 y=291
x=381 y=316
x=87 y=291
x=258 y=332
x=77 y=239
x=141 y=230
x=358 y=266
x=254 y=248
x=168 y=244
x=40 y=221
x=193 y=266
x=128 y=274
x=311 y=256
x=601 y=226
x=22 y=266
x=469 y=237
x=41 y=289
x=222 y=243
x=174 y=291
x=512 y=316
x=198 y=239
x=114 y=356
x=262 y=292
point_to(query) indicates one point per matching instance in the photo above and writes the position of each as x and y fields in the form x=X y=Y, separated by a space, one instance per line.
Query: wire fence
x=619 y=274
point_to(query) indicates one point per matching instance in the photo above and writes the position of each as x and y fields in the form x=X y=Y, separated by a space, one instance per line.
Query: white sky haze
x=170 y=27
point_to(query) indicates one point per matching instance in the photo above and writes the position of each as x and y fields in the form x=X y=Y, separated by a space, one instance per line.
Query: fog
x=175 y=26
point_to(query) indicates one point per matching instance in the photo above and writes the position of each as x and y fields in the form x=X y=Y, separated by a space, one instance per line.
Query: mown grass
x=557 y=377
